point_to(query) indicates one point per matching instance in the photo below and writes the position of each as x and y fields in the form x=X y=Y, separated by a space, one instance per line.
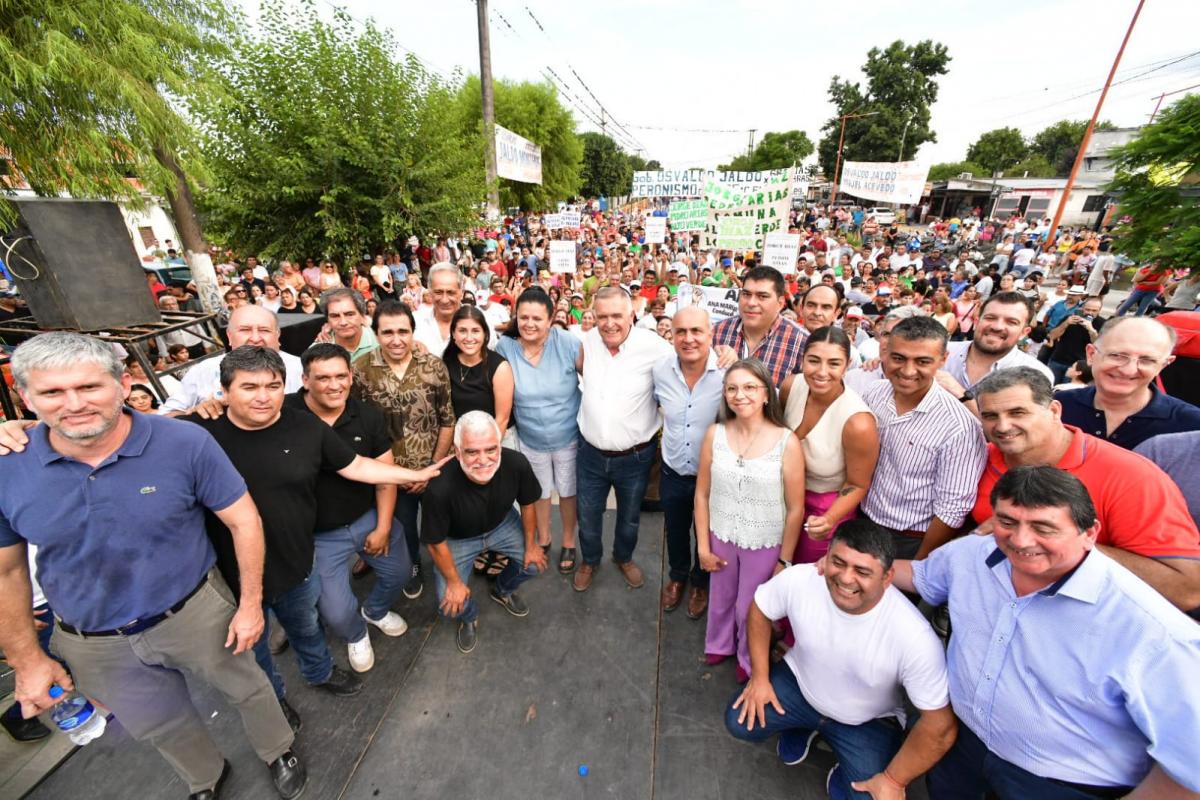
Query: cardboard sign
x=736 y=233
x=688 y=215
x=656 y=230
x=517 y=159
x=720 y=302
x=562 y=256
x=781 y=250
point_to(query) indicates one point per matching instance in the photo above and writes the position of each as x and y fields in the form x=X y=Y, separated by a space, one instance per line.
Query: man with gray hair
x=115 y=502
x=347 y=322
x=433 y=325
x=472 y=507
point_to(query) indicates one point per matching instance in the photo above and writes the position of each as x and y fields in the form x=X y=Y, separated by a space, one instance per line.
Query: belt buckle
x=123 y=629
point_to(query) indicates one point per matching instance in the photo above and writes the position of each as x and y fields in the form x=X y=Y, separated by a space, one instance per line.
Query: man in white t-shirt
x=860 y=646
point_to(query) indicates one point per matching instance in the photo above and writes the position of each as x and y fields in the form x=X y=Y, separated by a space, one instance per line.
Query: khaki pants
x=140 y=678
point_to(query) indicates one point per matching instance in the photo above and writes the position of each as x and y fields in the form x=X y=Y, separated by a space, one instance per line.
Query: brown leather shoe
x=672 y=594
x=583 y=577
x=697 y=603
x=633 y=573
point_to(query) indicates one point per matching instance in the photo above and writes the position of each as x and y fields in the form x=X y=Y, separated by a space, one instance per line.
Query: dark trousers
x=678 y=496
x=407 y=506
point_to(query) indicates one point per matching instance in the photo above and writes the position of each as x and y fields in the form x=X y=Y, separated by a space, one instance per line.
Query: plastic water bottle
x=77 y=717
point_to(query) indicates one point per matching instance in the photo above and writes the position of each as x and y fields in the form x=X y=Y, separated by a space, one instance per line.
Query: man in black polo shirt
x=280 y=452
x=470 y=508
x=352 y=517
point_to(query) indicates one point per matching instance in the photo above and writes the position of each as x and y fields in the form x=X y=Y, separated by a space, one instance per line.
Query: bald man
x=1124 y=406
x=819 y=307
x=248 y=325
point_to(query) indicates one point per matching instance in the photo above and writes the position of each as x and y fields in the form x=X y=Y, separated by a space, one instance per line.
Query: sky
x=686 y=80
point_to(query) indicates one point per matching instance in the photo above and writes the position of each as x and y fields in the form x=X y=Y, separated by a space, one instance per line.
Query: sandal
x=566 y=560
x=496 y=564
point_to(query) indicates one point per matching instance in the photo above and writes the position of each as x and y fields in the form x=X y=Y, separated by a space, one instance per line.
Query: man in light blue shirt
x=688 y=387
x=1072 y=677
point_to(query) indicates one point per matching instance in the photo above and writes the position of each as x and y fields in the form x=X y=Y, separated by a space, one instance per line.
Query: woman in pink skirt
x=840 y=441
x=746 y=513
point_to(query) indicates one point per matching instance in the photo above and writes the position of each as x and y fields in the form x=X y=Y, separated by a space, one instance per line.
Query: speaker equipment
x=75 y=265
x=297 y=331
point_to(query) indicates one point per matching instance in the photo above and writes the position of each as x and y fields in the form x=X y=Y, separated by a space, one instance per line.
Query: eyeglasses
x=749 y=389
x=1144 y=363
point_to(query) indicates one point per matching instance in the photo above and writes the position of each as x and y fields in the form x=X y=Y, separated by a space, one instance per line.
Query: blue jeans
x=296 y=611
x=970 y=771
x=507 y=538
x=407 y=506
x=595 y=475
x=335 y=550
x=862 y=750
x=1142 y=298
x=677 y=495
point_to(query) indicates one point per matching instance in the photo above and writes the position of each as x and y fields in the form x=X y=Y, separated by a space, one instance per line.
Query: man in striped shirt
x=758 y=331
x=931 y=448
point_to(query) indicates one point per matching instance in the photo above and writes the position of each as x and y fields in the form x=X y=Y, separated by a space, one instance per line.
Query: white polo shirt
x=619 y=410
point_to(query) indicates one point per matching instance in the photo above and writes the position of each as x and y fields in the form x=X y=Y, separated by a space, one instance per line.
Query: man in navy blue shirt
x=1124 y=407
x=115 y=502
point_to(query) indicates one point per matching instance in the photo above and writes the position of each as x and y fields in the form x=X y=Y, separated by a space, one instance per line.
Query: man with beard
x=470 y=508
x=1004 y=319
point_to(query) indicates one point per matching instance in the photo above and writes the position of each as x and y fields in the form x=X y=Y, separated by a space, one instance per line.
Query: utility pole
x=489 y=111
x=903 y=136
x=1087 y=134
x=1158 y=105
x=750 y=147
x=837 y=169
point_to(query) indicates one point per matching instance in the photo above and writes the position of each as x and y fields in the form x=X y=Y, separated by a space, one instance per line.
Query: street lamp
x=904 y=135
x=837 y=169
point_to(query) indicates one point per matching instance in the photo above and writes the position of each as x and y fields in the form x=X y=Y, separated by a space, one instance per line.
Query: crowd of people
x=933 y=505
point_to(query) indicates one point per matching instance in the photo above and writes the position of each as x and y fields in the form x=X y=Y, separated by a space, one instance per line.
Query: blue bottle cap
x=56 y=692
x=583 y=769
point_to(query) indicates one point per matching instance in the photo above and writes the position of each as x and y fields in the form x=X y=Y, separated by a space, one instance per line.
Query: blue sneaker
x=833 y=783
x=794 y=746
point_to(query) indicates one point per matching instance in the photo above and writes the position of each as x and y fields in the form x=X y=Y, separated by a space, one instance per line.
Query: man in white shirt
x=618 y=420
x=433 y=324
x=860 y=646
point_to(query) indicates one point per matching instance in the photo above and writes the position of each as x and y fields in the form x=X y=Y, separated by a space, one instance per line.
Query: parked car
x=884 y=216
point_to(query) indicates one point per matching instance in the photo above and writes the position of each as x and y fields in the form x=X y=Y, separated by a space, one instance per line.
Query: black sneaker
x=341 y=683
x=289 y=713
x=289 y=775
x=512 y=603
x=466 y=637
x=415 y=585
x=21 y=729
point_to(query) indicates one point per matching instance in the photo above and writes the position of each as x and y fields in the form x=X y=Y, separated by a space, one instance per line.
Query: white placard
x=570 y=219
x=884 y=181
x=719 y=301
x=781 y=250
x=517 y=159
x=736 y=233
x=562 y=255
x=656 y=230
x=690 y=182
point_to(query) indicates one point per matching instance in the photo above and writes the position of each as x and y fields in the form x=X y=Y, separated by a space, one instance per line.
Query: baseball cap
x=854 y=312
x=1077 y=291
x=726 y=262
x=884 y=291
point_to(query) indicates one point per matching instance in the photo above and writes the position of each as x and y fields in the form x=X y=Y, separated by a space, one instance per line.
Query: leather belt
x=138 y=625
x=637 y=448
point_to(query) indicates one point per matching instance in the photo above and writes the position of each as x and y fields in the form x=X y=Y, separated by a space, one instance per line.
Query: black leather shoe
x=215 y=792
x=289 y=775
x=24 y=730
x=291 y=716
x=341 y=683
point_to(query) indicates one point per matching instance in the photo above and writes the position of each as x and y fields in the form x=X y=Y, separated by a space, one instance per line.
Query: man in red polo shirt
x=1144 y=520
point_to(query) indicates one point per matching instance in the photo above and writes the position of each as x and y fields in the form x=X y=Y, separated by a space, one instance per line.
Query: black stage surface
x=601 y=679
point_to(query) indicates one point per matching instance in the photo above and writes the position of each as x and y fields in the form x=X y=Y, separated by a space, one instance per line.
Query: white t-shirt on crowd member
x=852 y=667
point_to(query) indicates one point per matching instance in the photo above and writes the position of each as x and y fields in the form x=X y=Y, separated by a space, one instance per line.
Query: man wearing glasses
x=1125 y=407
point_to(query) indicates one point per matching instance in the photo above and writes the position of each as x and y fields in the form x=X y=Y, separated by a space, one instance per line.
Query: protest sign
x=656 y=230
x=552 y=221
x=688 y=215
x=780 y=251
x=884 y=181
x=562 y=255
x=517 y=159
x=768 y=205
x=690 y=183
x=570 y=219
x=736 y=233
x=720 y=302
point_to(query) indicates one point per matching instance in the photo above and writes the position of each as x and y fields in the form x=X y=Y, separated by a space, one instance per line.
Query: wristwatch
x=967 y=396
x=785 y=563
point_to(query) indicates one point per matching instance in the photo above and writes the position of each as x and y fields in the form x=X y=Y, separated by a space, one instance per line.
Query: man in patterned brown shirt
x=413 y=389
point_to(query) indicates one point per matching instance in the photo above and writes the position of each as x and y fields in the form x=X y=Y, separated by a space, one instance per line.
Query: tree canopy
x=997 y=150
x=326 y=143
x=86 y=99
x=531 y=110
x=946 y=171
x=607 y=169
x=774 y=151
x=1158 y=188
x=901 y=86
x=1059 y=143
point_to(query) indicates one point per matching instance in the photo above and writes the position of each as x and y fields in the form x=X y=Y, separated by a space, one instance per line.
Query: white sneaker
x=392 y=623
x=362 y=655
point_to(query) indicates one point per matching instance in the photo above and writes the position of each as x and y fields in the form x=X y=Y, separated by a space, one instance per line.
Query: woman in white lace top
x=747 y=511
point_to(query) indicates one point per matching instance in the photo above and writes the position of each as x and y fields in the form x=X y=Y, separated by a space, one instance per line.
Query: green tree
x=997 y=150
x=901 y=86
x=1034 y=165
x=1158 y=188
x=774 y=151
x=325 y=143
x=607 y=169
x=1059 y=143
x=946 y=171
x=531 y=110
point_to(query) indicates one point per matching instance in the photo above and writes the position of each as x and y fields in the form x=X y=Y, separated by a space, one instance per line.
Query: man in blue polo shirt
x=115 y=502
x=1125 y=407
x=1071 y=677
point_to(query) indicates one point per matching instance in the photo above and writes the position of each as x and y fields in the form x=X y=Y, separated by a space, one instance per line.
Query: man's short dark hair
x=1046 y=487
x=324 y=351
x=766 y=274
x=1010 y=299
x=865 y=536
x=1011 y=377
x=248 y=358
x=917 y=328
x=392 y=308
